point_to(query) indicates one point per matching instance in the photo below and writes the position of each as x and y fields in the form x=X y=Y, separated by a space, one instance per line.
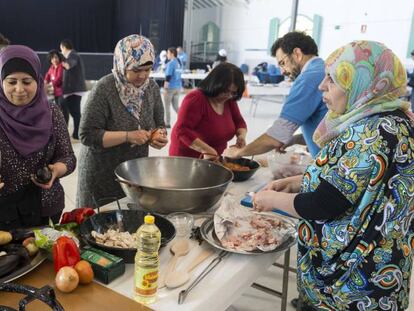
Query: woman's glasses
x=231 y=94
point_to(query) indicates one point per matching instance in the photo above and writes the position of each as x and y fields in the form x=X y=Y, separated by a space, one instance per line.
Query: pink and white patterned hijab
x=130 y=53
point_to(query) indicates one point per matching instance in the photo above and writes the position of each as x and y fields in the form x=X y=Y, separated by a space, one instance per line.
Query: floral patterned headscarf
x=130 y=53
x=373 y=79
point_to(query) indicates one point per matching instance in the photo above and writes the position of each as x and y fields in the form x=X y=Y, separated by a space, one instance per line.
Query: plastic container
x=147 y=261
x=291 y=163
x=183 y=223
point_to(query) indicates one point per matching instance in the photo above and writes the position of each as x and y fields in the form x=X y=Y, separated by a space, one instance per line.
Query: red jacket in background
x=197 y=119
x=55 y=75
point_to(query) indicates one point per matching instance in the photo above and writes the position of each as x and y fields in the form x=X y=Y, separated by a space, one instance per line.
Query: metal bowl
x=131 y=221
x=173 y=184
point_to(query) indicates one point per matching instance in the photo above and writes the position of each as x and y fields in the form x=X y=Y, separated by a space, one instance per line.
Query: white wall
x=247 y=27
x=387 y=21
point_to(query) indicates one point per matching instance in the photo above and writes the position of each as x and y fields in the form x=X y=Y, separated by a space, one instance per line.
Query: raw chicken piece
x=240 y=228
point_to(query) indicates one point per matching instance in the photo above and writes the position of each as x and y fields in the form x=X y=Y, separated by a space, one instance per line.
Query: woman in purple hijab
x=33 y=135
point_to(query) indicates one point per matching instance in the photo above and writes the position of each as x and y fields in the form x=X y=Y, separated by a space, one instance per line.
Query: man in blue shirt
x=172 y=84
x=296 y=54
x=182 y=56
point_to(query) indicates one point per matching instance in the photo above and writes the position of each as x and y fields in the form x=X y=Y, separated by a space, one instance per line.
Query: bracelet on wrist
x=126 y=137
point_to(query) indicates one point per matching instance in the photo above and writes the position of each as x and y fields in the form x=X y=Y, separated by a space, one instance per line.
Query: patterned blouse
x=361 y=260
x=15 y=170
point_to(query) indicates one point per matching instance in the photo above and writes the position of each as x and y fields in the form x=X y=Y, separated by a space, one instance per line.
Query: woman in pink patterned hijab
x=130 y=54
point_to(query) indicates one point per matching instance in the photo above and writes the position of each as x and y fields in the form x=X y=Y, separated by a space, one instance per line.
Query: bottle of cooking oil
x=147 y=261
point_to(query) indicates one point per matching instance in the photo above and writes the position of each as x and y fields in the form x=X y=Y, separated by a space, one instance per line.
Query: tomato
x=85 y=272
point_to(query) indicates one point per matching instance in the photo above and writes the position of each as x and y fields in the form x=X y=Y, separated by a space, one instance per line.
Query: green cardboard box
x=106 y=267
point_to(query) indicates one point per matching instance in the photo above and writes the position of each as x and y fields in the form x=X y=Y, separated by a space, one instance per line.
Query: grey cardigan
x=104 y=111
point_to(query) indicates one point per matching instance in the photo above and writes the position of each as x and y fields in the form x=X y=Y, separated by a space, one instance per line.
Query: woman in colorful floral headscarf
x=355 y=235
x=124 y=115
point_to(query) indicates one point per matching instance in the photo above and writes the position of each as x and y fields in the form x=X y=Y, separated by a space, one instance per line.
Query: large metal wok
x=173 y=184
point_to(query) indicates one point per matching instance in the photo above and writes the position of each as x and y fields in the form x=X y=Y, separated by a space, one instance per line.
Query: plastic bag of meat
x=240 y=228
x=291 y=163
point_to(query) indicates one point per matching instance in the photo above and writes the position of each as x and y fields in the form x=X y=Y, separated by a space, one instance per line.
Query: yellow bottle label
x=146 y=281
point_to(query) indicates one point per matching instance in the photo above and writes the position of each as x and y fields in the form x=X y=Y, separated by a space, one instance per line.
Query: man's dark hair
x=53 y=53
x=4 y=40
x=412 y=52
x=295 y=39
x=173 y=50
x=67 y=44
x=221 y=78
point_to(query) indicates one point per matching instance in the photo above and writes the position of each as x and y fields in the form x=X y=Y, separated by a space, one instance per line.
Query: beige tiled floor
x=251 y=299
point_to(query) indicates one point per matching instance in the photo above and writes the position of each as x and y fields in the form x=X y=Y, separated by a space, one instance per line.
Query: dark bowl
x=244 y=175
x=131 y=220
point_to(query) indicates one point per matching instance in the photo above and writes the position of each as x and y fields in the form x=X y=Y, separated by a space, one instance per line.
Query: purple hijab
x=27 y=127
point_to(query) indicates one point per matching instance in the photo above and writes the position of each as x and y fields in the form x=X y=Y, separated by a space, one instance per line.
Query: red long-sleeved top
x=55 y=75
x=197 y=119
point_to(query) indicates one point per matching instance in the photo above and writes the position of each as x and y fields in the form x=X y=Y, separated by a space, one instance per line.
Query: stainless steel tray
x=209 y=235
x=37 y=260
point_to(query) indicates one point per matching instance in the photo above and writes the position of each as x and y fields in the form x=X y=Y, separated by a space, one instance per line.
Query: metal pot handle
x=122 y=181
x=97 y=205
x=139 y=188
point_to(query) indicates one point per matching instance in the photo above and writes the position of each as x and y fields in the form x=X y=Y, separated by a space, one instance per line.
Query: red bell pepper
x=65 y=253
x=77 y=215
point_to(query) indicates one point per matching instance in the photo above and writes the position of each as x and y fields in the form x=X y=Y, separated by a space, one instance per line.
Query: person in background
x=3 y=41
x=355 y=206
x=74 y=86
x=182 y=56
x=410 y=82
x=209 y=116
x=123 y=116
x=160 y=62
x=33 y=135
x=296 y=54
x=54 y=75
x=172 y=84
x=220 y=58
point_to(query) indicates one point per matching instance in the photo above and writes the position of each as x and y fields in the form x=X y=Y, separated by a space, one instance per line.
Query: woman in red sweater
x=54 y=75
x=209 y=116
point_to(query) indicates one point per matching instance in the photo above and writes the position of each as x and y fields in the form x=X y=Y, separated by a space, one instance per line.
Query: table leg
x=285 y=280
x=255 y=106
x=253 y=102
x=285 y=283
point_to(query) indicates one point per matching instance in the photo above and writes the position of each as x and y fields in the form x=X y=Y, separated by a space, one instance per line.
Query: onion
x=67 y=279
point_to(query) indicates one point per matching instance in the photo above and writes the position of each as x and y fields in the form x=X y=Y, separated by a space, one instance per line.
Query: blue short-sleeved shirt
x=183 y=58
x=304 y=105
x=174 y=69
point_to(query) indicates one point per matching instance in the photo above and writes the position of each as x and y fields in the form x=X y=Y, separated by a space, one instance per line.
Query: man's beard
x=295 y=73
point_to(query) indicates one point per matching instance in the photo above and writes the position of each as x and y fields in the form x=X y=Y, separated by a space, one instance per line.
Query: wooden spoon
x=177 y=278
x=179 y=248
